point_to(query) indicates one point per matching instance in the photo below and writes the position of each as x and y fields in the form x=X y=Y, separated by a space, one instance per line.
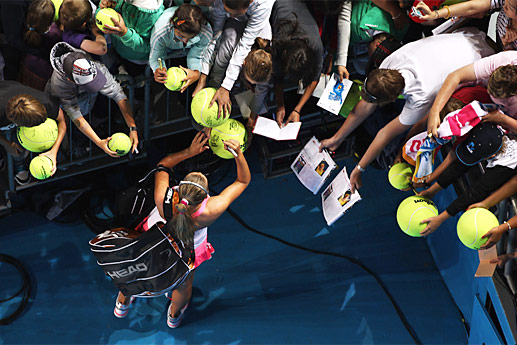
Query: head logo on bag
x=141 y=267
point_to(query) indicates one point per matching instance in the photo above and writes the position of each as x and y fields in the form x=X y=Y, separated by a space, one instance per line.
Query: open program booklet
x=338 y=198
x=313 y=167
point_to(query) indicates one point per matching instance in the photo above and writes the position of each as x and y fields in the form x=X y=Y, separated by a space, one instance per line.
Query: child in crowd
x=131 y=33
x=41 y=34
x=76 y=80
x=180 y=28
x=219 y=52
x=78 y=28
x=499 y=73
x=255 y=74
x=255 y=16
x=484 y=142
x=28 y=107
x=256 y=70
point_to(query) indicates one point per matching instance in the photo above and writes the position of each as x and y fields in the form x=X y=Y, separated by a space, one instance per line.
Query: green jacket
x=367 y=17
x=135 y=44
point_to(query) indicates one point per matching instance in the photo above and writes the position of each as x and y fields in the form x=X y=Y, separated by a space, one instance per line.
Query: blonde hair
x=504 y=145
x=25 y=110
x=258 y=65
x=190 y=197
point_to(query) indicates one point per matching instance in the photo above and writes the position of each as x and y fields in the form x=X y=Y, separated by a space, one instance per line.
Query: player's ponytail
x=192 y=191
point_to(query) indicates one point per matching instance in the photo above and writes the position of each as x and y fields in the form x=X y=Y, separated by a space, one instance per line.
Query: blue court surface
x=255 y=290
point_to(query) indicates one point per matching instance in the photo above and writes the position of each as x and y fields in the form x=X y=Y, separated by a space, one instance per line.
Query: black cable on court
x=25 y=289
x=353 y=260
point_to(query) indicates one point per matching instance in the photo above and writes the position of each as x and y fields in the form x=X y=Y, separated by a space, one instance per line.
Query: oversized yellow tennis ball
x=400 y=175
x=104 y=16
x=41 y=167
x=38 y=138
x=473 y=224
x=231 y=129
x=57 y=6
x=120 y=143
x=412 y=211
x=175 y=75
x=204 y=115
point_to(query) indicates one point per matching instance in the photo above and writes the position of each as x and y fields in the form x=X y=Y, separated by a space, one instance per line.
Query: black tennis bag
x=143 y=264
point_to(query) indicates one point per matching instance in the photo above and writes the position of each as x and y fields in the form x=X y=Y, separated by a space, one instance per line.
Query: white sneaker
x=175 y=322
x=121 y=309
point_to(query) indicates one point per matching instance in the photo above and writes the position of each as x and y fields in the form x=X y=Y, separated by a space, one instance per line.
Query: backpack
x=143 y=264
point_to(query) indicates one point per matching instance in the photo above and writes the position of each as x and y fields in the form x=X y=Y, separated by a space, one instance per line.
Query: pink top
x=201 y=208
x=483 y=68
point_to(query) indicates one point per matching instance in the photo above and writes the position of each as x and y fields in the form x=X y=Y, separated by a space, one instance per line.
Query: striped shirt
x=163 y=43
x=502 y=23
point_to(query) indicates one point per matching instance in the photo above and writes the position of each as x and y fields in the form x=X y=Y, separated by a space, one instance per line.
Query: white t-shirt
x=424 y=65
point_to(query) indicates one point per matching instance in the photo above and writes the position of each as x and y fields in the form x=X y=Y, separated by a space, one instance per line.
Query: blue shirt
x=163 y=43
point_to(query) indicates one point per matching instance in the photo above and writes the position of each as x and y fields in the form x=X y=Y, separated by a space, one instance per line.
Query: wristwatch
x=133 y=128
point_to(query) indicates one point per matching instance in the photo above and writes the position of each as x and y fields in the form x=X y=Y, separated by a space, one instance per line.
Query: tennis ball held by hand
x=104 y=17
x=412 y=211
x=473 y=225
x=175 y=76
x=400 y=175
x=201 y=112
x=41 y=167
x=120 y=143
x=38 y=138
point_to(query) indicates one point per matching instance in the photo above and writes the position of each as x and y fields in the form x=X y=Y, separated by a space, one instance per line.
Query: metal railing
x=70 y=160
x=163 y=113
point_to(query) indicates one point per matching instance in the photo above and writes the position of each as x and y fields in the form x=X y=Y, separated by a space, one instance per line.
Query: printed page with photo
x=313 y=167
x=337 y=198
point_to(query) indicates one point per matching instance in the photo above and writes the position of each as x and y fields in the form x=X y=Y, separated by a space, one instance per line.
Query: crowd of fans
x=56 y=61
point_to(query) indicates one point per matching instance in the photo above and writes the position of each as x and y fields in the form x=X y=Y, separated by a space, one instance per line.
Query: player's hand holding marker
x=233 y=146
